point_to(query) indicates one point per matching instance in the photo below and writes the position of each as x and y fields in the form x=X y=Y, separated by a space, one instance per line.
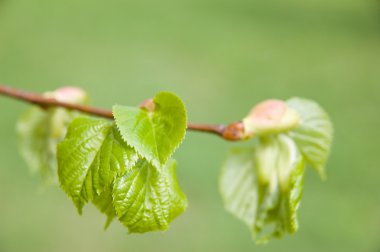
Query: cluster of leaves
x=124 y=166
x=262 y=185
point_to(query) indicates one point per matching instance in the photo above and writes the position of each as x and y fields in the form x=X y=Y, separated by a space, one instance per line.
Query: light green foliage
x=104 y=202
x=153 y=134
x=314 y=134
x=38 y=132
x=95 y=164
x=147 y=199
x=124 y=168
x=90 y=158
x=262 y=185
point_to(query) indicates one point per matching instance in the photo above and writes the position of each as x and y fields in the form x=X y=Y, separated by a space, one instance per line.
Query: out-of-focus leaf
x=40 y=130
x=148 y=199
x=153 y=134
x=313 y=134
x=281 y=192
x=262 y=186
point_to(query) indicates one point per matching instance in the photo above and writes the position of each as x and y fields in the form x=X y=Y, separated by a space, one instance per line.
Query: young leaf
x=147 y=199
x=238 y=185
x=90 y=157
x=313 y=134
x=40 y=130
x=280 y=195
x=154 y=133
x=262 y=186
x=105 y=205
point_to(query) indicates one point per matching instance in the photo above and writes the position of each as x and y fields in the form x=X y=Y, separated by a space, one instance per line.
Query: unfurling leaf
x=279 y=200
x=40 y=130
x=147 y=199
x=156 y=132
x=313 y=134
x=262 y=185
x=258 y=186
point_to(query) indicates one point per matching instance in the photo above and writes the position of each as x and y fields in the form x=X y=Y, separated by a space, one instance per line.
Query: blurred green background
x=221 y=57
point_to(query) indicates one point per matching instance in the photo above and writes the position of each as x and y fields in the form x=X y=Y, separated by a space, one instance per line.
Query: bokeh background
x=221 y=57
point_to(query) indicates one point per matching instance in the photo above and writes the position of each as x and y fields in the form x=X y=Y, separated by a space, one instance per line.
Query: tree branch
x=231 y=132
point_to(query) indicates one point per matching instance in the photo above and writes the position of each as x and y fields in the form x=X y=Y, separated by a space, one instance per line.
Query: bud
x=61 y=117
x=270 y=117
x=69 y=95
x=148 y=105
x=234 y=132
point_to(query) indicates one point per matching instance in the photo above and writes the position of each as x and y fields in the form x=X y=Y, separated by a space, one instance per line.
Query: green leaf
x=262 y=186
x=105 y=205
x=147 y=199
x=153 y=134
x=280 y=195
x=38 y=132
x=95 y=164
x=314 y=133
x=90 y=158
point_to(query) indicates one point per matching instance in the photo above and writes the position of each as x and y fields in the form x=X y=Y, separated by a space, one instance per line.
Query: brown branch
x=232 y=132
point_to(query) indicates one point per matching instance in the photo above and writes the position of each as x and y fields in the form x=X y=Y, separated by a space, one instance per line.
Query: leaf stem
x=231 y=132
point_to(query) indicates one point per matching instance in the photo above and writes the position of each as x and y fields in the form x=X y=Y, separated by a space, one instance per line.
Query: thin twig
x=231 y=132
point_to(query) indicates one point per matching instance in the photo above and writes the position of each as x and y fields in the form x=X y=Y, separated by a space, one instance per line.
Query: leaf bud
x=270 y=117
